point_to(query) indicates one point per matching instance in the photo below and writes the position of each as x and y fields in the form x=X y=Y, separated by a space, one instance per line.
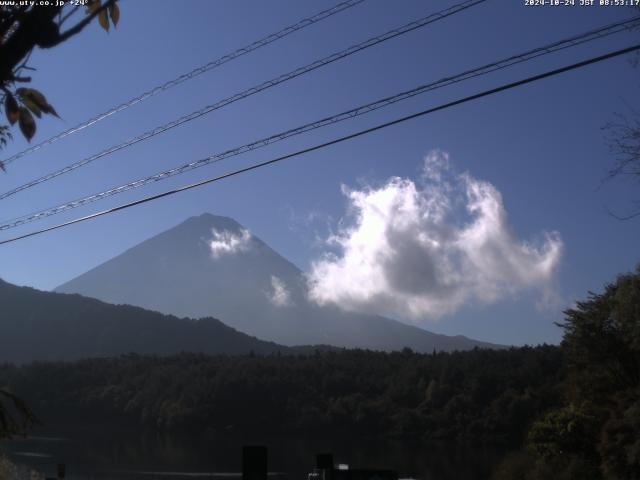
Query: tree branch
x=623 y=217
x=36 y=24
x=82 y=24
x=69 y=14
x=38 y=27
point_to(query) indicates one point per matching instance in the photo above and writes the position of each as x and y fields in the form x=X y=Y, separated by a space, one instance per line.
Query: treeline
x=480 y=395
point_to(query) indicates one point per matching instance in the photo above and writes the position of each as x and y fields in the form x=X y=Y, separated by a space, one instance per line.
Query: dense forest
x=482 y=394
x=574 y=409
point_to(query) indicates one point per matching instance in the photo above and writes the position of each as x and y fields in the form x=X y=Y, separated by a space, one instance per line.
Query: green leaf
x=27 y=124
x=103 y=19
x=11 y=109
x=114 y=12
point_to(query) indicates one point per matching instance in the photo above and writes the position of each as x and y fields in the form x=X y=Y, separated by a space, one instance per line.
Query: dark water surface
x=97 y=453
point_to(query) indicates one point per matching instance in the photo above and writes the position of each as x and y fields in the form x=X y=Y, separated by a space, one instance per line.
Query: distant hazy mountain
x=37 y=325
x=210 y=266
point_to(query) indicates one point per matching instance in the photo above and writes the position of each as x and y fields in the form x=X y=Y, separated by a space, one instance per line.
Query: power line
x=354 y=112
x=409 y=27
x=305 y=22
x=351 y=136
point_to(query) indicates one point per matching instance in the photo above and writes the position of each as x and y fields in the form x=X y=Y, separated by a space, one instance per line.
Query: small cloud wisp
x=226 y=242
x=279 y=294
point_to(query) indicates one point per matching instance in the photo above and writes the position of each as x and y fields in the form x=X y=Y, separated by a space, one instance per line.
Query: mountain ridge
x=48 y=326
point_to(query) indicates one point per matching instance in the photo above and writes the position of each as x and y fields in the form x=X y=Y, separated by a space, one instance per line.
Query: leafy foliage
x=113 y=13
x=596 y=432
x=5 y=135
x=23 y=27
x=16 y=418
x=480 y=395
x=566 y=432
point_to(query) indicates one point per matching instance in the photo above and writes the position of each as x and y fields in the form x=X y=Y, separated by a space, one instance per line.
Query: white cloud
x=423 y=250
x=311 y=226
x=226 y=242
x=279 y=294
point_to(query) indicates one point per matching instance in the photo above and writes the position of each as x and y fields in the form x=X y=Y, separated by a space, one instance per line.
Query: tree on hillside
x=596 y=433
x=24 y=28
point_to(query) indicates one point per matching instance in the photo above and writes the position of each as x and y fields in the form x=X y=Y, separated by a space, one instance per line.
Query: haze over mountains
x=38 y=325
x=211 y=266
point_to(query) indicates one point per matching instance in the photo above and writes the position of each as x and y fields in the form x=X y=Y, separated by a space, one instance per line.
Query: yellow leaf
x=103 y=19
x=28 y=101
x=92 y=6
x=11 y=109
x=31 y=105
x=27 y=124
x=114 y=12
x=37 y=97
x=33 y=96
x=51 y=111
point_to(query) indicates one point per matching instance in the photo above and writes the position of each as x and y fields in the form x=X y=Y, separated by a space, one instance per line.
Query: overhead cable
x=305 y=22
x=354 y=112
x=335 y=141
x=409 y=27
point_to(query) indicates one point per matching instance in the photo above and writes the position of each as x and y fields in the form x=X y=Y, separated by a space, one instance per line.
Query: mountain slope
x=37 y=325
x=212 y=266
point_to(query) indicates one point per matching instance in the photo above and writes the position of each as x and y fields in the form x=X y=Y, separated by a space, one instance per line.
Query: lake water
x=104 y=455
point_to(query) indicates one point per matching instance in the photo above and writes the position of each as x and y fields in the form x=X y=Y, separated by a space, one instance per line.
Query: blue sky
x=541 y=146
